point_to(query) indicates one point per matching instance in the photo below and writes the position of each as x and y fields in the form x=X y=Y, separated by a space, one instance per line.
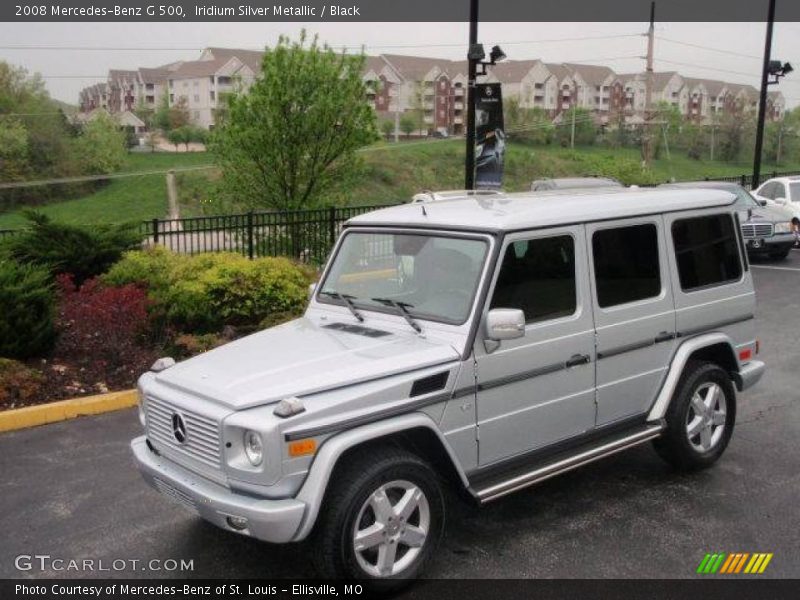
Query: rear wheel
x=700 y=418
x=383 y=518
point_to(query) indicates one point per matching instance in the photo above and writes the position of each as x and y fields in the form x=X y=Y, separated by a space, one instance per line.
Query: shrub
x=187 y=344
x=18 y=384
x=206 y=291
x=99 y=322
x=62 y=248
x=26 y=310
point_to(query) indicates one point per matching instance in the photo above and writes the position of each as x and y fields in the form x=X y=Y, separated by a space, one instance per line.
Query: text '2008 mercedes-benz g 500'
x=485 y=343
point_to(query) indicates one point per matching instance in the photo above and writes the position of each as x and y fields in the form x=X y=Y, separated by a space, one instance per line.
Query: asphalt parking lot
x=70 y=490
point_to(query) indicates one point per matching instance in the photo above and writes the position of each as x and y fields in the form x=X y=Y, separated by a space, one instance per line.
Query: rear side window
x=538 y=277
x=626 y=265
x=706 y=251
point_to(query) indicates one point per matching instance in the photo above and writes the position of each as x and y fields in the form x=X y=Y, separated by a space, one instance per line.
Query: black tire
x=675 y=446
x=350 y=487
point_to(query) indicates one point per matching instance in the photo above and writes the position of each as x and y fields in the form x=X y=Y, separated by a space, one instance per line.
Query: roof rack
x=430 y=196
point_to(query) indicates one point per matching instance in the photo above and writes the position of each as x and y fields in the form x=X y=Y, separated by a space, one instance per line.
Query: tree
x=100 y=146
x=527 y=125
x=179 y=114
x=585 y=130
x=407 y=125
x=387 y=128
x=175 y=137
x=161 y=116
x=290 y=142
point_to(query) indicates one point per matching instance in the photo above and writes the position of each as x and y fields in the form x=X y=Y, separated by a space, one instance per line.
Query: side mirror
x=312 y=287
x=505 y=324
x=762 y=202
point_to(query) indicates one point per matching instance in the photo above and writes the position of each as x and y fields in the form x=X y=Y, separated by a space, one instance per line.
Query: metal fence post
x=155 y=230
x=250 y=235
x=332 y=224
x=743 y=181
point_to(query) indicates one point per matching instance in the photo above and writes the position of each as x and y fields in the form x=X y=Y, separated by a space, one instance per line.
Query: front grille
x=758 y=230
x=174 y=494
x=202 y=433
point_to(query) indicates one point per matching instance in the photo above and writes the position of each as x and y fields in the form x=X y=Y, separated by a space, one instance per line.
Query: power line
x=709 y=48
x=715 y=69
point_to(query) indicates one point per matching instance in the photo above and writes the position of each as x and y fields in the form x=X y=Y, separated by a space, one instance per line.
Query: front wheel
x=780 y=254
x=700 y=418
x=382 y=519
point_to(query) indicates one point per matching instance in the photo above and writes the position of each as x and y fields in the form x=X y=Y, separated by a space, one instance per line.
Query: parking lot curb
x=53 y=412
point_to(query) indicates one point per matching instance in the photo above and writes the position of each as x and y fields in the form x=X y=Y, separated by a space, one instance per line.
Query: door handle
x=577 y=359
x=665 y=336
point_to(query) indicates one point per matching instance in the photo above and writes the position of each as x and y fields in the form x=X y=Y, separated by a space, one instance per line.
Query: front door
x=634 y=313
x=538 y=389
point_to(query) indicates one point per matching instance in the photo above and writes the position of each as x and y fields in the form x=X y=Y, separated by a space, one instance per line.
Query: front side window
x=434 y=277
x=707 y=251
x=626 y=266
x=538 y=277
x=780 y=191
x=794 y=188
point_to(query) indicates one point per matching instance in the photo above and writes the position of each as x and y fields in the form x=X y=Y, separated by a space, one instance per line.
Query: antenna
x=424 y=212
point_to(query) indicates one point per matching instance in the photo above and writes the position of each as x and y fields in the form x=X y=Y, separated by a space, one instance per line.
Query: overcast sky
x=67 y=71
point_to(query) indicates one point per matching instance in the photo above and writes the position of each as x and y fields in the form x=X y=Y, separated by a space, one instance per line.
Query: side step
x=563 y=463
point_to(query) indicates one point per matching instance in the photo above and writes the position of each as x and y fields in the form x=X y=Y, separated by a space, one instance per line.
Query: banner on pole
x=490 y=136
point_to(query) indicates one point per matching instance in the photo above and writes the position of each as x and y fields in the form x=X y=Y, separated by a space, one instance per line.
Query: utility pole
x=572 y=133
x=472 y=71
x=647 y=138
x=762 y=102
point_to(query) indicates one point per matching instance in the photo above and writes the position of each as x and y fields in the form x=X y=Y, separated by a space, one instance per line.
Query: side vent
x=432 y=383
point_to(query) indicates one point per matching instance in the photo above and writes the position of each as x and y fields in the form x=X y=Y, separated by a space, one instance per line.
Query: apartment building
x=433 y=89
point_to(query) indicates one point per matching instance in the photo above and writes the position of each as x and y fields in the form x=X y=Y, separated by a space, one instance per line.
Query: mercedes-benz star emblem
x=178 y=428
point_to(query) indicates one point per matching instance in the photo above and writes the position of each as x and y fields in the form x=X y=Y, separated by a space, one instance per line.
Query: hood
x=771 y=214
x=299 y=358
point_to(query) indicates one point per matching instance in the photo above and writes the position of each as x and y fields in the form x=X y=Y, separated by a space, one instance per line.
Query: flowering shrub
x=104 y=324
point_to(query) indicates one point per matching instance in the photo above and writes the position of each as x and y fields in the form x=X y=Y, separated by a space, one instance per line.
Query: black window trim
x=638 y=220
x=552 y=232
x=710 y=286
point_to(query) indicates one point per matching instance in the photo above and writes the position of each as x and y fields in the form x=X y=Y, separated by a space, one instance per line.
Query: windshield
x=744 y=200
x=434 y=277
x=794 y=190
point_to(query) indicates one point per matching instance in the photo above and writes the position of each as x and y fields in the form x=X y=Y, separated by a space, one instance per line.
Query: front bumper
x=749 y=374
x=774 y=243
x=274 y=521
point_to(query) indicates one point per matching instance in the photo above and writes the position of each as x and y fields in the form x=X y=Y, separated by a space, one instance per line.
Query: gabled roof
x=559 y=71
x=591 y=74
x=661 y=79
x=252 y=58
x=415 y=68
x=513 y=71
x=156 y=75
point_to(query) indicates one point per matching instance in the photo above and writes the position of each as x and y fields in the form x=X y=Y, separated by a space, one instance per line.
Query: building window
x=538 y=86
x=196 y=115
x=538 y=277
x=213 y=95
x=223 y=80
x=196 y=98
x=707 y=251
x=626 y=265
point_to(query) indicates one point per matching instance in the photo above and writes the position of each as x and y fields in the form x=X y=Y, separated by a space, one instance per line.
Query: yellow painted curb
x=31 y=416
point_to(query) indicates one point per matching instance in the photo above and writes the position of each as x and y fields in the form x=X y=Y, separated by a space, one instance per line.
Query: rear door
x=634 y=314
x=538 y=389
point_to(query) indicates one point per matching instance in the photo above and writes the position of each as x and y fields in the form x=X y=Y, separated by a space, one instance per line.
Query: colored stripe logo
x=734 y=563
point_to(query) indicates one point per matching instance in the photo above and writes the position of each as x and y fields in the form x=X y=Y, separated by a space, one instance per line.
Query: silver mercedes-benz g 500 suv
x=482 y=343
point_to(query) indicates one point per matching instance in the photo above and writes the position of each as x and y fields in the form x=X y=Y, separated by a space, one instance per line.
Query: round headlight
x=253 y=447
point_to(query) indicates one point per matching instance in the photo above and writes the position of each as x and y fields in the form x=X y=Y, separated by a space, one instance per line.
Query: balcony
x=459 y=91
x=458 y=120
x=428 y=105
x=428 y=119
x=458 y=105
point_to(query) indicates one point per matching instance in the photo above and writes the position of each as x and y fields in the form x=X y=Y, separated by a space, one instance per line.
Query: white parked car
x=785 y=192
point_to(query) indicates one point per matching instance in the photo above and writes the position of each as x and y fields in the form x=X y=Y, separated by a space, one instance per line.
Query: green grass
x=392 y=173
x=121 y=200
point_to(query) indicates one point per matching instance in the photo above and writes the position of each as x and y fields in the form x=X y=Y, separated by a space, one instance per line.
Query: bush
x=82 y=252
x=207 y=291
x=99 y=322
x=18 y=384
x=26 y=310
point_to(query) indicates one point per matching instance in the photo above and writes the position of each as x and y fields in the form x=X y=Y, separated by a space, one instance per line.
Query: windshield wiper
x=347 y=300
x=402 y=309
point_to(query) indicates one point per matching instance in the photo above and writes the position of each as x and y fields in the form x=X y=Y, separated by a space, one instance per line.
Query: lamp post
x=475 y=58
x=776 y=70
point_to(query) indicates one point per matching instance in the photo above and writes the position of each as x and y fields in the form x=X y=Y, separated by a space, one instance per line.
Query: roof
x=529 y=210
x=156 y=75
x=591 y=74
x=252 y=58
x=660 y=80
x=712 y=185
x=560 y=72
x=198 y=68
x=415 y=68
x=565 y=183
x=513 y=71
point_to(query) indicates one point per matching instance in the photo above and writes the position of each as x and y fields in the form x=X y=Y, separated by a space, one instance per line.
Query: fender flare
x=316 y=483
x=679 y=360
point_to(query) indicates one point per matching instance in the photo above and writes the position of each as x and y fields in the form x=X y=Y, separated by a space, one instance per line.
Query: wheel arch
x=416 y=432
x=712 y=347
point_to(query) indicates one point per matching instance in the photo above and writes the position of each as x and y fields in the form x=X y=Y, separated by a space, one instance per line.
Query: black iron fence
x=306 y=235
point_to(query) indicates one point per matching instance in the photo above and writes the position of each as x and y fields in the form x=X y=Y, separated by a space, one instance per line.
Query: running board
x=568 y=463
